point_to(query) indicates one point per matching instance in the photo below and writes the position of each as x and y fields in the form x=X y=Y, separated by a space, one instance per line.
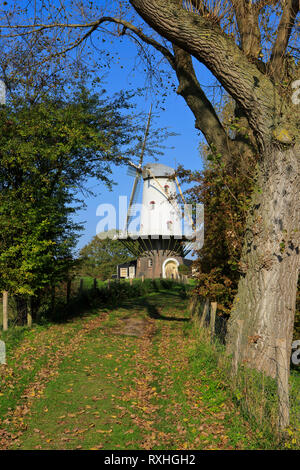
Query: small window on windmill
x=170 y=225
x=152 y=205
x=166 y=188
x=150 y=263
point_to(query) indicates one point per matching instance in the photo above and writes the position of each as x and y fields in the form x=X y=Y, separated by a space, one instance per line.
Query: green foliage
x=49 y=148
x=100 y=257
x=225 y=191
x=118 y=291
x=107 y=294
x=184 y=269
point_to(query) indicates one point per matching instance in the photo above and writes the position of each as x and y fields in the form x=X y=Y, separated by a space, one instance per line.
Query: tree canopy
x=49 y=149
x=101 y=256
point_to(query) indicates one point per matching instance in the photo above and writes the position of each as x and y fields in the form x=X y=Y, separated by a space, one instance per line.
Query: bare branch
x=241 y=78
x=263 y=3
x=287 y=21
x=247 y=21
x=189 y=88
x=92 y=26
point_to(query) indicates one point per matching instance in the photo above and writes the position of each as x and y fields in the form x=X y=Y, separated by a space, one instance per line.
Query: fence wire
x=271 y=401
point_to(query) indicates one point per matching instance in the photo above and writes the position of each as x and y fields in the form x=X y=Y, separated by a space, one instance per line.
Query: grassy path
x=132 y=378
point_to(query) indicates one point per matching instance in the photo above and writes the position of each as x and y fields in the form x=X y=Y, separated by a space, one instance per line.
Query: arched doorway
x=170 y=268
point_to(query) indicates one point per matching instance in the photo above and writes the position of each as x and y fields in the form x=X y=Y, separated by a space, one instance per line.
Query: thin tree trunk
x=22 y=309
x=213 y=311
x=69 y=284
x=34 y=305
x=29 y=318
x=52 y=307
x=266 y=296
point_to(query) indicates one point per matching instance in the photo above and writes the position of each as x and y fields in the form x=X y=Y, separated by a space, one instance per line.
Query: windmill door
x=171 y=269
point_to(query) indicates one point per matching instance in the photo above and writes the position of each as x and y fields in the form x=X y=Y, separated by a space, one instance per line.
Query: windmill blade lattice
x=131 y=171
x=145 y=137
x=133 y=198
x=137 y=171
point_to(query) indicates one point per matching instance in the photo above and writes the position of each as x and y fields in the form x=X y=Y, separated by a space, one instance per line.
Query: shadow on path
x=154 y=313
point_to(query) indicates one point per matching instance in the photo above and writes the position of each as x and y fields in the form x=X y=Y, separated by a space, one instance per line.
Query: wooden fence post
x=236 y=353
x=193 y=304
x=95 y=283
x=2 y=353
x=130 y=281
x=5 y=310
x=204 y=313
x=143 y=278
x=29 y=317
x=81 y=286
x=213 y=311
x=283 y=384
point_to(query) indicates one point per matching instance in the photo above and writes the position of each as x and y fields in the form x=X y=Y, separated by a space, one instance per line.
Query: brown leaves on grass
x=167 y=415
x=51 y=343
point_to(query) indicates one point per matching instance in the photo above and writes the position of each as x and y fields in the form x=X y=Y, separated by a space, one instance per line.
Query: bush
x=108 y=295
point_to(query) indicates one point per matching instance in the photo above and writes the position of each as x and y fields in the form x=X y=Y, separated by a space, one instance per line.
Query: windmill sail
x=145 y=137
x=138 y=174
x=133 y=198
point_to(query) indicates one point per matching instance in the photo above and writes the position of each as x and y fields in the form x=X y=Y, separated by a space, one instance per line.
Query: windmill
x=159 y=245
x=137 y=173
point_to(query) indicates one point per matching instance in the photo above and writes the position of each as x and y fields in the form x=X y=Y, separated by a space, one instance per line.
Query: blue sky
x=177 y=118
x=122 y=73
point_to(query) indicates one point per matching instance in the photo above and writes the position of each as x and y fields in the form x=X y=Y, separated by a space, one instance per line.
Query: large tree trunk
x=265 y=303
x=263 y=312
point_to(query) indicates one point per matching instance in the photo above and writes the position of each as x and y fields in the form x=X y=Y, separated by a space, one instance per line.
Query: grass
x=132 y=377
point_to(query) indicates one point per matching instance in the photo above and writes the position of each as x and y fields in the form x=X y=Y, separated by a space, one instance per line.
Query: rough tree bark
x=265 y=303
x=266 y=296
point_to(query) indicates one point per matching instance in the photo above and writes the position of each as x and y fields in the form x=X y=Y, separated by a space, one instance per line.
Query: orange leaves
x=42 y=351
x=156 y=397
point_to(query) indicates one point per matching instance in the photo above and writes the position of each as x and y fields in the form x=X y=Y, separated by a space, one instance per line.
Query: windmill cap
x=157 y=170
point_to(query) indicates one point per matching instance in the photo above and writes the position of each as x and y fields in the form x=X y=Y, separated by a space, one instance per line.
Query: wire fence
x=272 y=401
x=79 y=291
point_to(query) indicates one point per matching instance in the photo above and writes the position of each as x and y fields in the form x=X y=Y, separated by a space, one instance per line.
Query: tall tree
x=48 y=150
x=101 y=256
x=251 y=49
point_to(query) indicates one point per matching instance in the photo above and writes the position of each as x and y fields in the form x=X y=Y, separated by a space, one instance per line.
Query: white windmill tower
x=159 y=244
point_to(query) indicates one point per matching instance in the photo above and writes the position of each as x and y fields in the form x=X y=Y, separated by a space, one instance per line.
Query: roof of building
x=158 y=170
x=127 y=264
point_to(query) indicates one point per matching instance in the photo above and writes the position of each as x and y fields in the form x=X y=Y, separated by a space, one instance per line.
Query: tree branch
x=247 y=20
x=253 y=91
x=92 y=26
x=189 y=88
x=287 y=21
